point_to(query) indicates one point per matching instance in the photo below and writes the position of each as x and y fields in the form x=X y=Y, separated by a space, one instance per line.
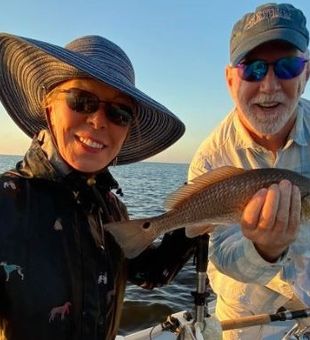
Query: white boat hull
x=274 y=331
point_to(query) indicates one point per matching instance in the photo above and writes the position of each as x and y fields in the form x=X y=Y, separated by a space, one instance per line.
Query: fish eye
x=146 y=225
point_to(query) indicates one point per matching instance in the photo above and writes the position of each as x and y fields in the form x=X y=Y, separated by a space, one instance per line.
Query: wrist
x=270 y=254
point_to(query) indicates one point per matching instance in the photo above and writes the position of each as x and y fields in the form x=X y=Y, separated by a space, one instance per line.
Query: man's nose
x=270 y=82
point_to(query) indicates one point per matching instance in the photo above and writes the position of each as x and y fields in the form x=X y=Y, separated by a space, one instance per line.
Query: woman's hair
x=48 y=97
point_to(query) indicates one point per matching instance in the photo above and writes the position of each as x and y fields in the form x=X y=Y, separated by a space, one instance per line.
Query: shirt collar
x=51 y=152
x=298 y=133
x=243 y=139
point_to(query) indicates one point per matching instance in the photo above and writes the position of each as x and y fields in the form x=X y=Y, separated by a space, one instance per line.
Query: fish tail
x=131 y=236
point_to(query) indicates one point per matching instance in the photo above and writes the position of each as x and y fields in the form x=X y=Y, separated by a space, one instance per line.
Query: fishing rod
x=181 y=325
x=201 y=267
x=185 y=329
x=263 y=319
x=193 y=327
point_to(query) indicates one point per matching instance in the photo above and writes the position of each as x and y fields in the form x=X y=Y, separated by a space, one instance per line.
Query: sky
x=179 y=50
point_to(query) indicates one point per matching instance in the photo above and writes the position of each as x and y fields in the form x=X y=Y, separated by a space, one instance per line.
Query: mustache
x=263 y=98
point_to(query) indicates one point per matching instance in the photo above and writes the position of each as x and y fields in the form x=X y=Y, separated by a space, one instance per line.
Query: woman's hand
x=271 y=219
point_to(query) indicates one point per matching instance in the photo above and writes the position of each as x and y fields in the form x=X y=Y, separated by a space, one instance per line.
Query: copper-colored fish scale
x=229 y=196
x=218 y=197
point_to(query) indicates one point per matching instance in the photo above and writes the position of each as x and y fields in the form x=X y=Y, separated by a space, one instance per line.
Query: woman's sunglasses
x=284 y=68
x=85 y=102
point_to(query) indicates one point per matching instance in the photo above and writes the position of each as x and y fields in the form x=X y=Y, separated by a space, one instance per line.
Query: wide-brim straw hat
x=29 y=68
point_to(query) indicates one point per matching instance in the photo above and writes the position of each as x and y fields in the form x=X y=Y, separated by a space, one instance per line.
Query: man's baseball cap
x=269 y=22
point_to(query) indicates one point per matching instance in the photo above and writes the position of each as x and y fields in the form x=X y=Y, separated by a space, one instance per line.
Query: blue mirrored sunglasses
x=284 y=68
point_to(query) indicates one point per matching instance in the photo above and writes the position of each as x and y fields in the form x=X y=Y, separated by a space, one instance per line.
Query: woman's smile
x=87 y=141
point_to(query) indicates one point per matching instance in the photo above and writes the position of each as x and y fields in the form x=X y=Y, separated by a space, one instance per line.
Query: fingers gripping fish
x=215 y=198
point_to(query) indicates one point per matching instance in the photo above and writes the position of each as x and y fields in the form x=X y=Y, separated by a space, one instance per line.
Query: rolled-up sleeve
x=236 y=256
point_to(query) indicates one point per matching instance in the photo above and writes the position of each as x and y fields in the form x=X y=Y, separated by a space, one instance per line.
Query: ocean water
x=145 y=187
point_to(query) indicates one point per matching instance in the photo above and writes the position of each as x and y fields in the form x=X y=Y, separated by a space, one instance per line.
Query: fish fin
x=199 y=228
x=203 y=223
x=132 y=236
x=200 y=183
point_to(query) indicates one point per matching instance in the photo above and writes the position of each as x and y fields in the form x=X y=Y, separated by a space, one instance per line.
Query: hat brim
x=29 y=66
x=247 y=45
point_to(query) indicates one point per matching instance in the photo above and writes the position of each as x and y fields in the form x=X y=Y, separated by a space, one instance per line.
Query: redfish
x=217 y=197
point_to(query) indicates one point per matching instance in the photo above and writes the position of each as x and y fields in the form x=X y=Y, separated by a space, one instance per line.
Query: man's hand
x=271 y=219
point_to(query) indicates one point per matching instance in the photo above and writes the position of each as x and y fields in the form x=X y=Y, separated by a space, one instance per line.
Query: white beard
x=269 y=123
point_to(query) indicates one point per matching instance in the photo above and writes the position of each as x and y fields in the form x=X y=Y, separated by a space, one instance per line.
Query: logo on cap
x=268 y=14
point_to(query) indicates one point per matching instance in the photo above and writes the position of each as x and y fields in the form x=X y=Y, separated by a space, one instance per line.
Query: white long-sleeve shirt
x=243 y=273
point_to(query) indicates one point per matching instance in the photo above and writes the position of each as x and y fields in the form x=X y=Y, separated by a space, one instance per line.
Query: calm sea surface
x=145 y=187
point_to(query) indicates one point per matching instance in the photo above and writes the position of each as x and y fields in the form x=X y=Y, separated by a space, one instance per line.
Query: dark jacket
x=61 y=276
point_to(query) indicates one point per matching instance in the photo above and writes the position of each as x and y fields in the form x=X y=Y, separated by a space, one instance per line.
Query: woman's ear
x=134 y=121
x=48 y=111
x=49 y=118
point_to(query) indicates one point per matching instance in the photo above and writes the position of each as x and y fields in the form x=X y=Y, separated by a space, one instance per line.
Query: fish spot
x=146 y=225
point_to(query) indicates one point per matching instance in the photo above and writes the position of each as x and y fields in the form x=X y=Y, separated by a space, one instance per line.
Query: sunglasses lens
x=289 y=67
x=87 y=103
x=82 y=102
x=284 y=68
x=253 y=71
x=119 y=114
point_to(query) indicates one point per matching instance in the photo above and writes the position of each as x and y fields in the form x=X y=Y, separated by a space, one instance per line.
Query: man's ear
x=304 y=79
x=228 y=75
x=229 y=78
x=308 y=71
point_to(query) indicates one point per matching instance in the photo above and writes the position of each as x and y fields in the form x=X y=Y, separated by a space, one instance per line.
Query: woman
x=61 y=275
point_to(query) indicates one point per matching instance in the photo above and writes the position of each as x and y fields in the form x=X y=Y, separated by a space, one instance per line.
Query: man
x=263 y=263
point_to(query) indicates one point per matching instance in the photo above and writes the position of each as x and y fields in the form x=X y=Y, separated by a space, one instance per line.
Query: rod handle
x=246 y=322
